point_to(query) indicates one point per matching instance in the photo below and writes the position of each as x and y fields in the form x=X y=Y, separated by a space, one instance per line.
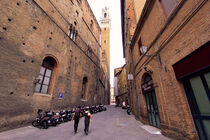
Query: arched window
x=84 y=89
x=45 y=75
x=105 y=15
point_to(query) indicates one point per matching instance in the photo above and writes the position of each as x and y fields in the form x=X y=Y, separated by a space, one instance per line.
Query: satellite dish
x=143 y=49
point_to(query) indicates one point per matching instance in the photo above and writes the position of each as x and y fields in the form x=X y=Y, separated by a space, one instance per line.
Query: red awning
x=196 y=61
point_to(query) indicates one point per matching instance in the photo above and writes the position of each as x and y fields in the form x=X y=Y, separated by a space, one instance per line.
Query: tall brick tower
x=105 y=34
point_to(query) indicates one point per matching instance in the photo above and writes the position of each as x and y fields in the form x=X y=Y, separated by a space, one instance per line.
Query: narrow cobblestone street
x=113 y=124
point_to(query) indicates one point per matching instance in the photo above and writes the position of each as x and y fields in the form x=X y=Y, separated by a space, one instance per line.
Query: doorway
x=151 y=101
x=152 y=109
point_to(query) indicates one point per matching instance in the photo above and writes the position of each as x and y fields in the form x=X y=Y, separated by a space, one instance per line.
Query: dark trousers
x=76 y=122
x=87 y=122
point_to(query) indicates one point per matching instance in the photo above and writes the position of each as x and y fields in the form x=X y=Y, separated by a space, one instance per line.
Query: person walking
x=87 y=120
x=77 y=116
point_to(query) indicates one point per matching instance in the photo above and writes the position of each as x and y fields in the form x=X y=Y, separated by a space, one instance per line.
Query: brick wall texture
x=121 y=80
x=121 y=73
x=174 y=37
x=31 y=30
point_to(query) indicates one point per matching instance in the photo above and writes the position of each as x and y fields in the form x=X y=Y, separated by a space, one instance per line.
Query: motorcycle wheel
x=35 y=123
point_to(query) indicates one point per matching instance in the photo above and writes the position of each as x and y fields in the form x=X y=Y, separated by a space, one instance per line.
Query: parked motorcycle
x=92 y=111
x=51 y=118
x=129 y=110
x=103 y=108
x=97 y=108
x=47 y=119
x=63 y=116
x=57 y=118
x=68 y=115
x=41 y=120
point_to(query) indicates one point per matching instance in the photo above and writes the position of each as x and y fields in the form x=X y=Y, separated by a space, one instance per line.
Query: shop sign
x=147 y=86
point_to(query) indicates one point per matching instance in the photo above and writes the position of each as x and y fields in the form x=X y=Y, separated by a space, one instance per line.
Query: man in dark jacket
x=87 y=120
x=77 y=115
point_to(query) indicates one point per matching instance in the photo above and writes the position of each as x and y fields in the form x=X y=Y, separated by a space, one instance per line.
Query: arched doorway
x=151 y=101
x=46 y=75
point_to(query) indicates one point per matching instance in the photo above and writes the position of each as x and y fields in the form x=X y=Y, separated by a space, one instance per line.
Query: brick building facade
x=168 y=55
x=121 y=85
x=105 y=36
x=49 y=58
x=105 y=24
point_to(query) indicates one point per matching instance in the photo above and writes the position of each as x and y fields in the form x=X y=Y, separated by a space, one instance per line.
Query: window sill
x=42 y=94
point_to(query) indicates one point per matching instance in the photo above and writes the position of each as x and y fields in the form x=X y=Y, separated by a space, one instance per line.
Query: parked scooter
x=92 y=110
x=51 y=120
x=63 y=116
x=41 y=120
x=47 y=119
x=57 y=118
x=97 y=109
x=68 y=115
x=129 y=110
x=103 y=108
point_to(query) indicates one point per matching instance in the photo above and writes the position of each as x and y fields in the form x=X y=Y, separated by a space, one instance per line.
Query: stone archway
x=151 y=101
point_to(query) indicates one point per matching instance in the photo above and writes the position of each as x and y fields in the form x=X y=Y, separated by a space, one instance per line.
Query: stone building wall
x=30 y=31
x=130 y=11
x=122 y=81
x=138 y=6
x=174 y=37
x=122 y=95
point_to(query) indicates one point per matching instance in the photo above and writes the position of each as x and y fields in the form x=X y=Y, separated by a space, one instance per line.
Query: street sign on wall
x=60 y=95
